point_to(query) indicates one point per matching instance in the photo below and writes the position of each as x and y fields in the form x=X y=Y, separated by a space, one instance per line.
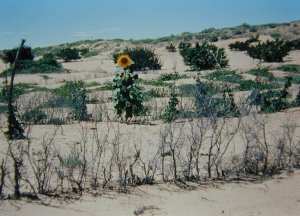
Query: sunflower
x=124 y=61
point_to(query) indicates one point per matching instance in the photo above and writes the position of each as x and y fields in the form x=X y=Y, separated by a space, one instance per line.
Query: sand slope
x=278 y=196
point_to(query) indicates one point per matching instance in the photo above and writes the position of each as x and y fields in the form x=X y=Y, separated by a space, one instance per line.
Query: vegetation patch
x=190 y=90
x=225 y=76
x=293 y=68
x=243 y=46
x=203 y=56
x=246 y=85
x=18 y=90
x=156 y=92
x=270 y=51
x=171 y=76
x=271 y=100
x=262 y=72
x=143 y=58
x=68 y=54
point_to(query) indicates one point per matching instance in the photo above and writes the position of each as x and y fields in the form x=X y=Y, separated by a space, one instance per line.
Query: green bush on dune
x=143 y=58
x=26 y=64
x=203 y=56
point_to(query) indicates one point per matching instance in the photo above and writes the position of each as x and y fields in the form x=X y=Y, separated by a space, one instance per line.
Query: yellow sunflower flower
x=124 y=61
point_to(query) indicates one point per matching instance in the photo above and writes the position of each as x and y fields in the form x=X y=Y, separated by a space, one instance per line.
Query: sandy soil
x=278 y=196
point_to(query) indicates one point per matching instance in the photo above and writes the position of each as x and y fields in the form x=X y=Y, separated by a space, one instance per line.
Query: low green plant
x=171 y=112
x=190 y=90
x=262 y=72
x=225 y=76
x=3 y=109
x=156 y=93
x=296 y=80
x=294 y=68
x=72 y=161
x=208 y=106
x=34 y=116
x=72 y=94
x=171 y=76
x=246 y=85
x=171 y=47
x=18 y=90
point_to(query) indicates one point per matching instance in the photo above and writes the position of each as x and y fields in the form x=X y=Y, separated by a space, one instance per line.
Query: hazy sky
x=49 y=22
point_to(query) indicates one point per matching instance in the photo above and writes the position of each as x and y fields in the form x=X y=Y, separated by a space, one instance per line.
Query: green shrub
x=171 y=112
x=106 y=86
x=270 y=51
x=275 y=35
x=184 y=48
x=225 y=36
x=253 y=28
x=47 y=64
x=83 y=51
x=272 y=25
x=203 y=57
x=190 y=90
x=72 y=161
x=290 y=68
x=171 y=48
x=225 y=76
x=3 y=109
x=34 y=116
x=243 y=46
x=156 y=93
x=207 y=106
x=49 y=59
x=270 y=100
x=296 y=80
x=154 y=82
x=143 y=58
x=68 y=54
x=8 y=56
x=74 y=95
x=238 y=45
x=208 y=30
x=296 y=44
x=213 y=38
x=18 y=90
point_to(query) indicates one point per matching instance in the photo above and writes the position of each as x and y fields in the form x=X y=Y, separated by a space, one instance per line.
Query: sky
x=51 y=22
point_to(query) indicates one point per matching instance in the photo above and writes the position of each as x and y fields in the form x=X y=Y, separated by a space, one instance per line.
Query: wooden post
x=15 y=130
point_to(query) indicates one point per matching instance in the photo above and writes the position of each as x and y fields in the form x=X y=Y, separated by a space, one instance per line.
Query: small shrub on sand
x=203 y=56
x=143 y=59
